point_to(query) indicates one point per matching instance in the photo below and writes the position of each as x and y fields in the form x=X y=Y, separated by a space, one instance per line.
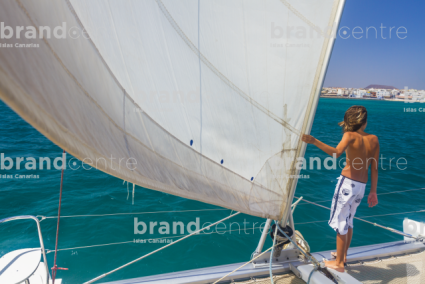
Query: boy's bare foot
x=333 y=265
x=334 y=254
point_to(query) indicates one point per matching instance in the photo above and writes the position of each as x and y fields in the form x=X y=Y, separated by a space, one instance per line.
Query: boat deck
x=402 y=269
x=394 y=262
x=288 y=278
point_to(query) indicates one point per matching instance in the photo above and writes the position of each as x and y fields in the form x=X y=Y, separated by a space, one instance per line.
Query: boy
x=362 y=150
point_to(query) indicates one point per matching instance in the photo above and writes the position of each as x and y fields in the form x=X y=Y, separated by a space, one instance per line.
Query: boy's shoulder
x=372 y=137
x=353 y=135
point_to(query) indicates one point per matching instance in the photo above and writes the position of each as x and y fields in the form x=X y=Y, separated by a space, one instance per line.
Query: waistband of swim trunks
x=353 y=179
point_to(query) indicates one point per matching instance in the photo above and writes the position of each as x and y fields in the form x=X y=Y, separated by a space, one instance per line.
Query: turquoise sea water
x=401 y=134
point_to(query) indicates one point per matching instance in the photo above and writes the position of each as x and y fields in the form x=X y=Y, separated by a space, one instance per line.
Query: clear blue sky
x=396 y=62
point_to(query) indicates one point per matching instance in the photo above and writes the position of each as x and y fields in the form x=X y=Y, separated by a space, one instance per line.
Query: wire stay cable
x=127 y=213
x=419 y=238
x=370 y=216
x=157 y=250
x=229 y=231
x=383 y=193
x=55 y=268
x=170 y=237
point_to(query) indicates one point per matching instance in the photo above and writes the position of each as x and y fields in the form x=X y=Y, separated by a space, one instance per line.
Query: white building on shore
x=382 y=93
x=360 y=93
x=418 y=96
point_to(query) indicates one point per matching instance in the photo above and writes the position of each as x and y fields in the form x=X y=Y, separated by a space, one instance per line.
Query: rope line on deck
x=157 y=250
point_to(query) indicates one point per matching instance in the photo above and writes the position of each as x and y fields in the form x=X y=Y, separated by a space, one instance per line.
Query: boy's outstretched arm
x=373 y=198
x=343 y=144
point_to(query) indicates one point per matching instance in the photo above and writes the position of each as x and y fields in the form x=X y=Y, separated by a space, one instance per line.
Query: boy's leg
x=341 y=244
x=340 y=216
x=359 y=189
x=349 y=237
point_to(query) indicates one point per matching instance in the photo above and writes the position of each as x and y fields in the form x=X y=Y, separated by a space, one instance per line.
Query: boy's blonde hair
x=354 y=119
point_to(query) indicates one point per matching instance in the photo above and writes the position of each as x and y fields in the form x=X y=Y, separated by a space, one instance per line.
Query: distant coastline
x=363 y=98
x=372 y=92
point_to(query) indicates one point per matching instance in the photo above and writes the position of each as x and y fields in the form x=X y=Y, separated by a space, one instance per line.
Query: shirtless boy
x=362 y=150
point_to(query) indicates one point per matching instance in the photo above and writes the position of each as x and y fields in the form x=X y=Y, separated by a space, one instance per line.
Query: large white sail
x=208 y=97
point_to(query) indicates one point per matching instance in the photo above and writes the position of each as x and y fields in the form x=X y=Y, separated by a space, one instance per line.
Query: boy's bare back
x=361 y=153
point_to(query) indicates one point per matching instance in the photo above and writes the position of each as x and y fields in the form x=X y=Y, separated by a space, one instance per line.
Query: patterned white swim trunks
x=347 y=197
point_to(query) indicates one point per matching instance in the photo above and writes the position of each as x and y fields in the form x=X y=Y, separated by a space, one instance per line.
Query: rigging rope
x=298 y=202
x=222 y=232
x=127 y=242
x=134 y=187
x=384 y=193
x=146 y=255
x=271 y=255
x=308 y=257
x=245 y=264
x=55 y=268
x=131 y=213
x=126 y=213
x=380 y=215
x=128 y=192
